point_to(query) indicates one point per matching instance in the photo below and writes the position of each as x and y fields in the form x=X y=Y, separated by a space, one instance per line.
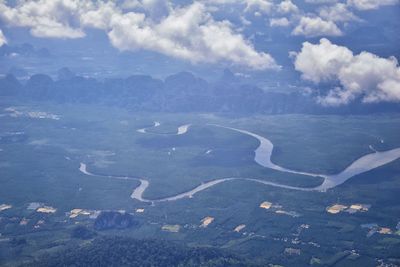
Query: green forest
x=123 y=251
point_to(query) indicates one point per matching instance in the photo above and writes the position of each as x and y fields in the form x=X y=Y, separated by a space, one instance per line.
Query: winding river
x=262 y=157
x=144 y=130
x=181 y=129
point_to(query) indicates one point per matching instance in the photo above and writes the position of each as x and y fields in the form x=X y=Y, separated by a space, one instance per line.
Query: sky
x=351 y=47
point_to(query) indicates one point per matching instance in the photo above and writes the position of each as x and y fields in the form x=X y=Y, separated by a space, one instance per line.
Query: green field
x=41 y=165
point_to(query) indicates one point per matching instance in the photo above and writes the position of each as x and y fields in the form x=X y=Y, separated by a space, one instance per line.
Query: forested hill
x=122 y=251
x=182 y=92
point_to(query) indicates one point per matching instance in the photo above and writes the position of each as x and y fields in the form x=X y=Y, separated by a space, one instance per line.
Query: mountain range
x=181 y=92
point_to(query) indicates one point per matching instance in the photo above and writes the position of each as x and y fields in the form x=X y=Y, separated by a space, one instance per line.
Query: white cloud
x=377 y=79
x=259 y=6
x=46 y=18
x=371 y=4
x=222 y=2
x=320 y=62
x=287 y=6
x=245 y=21
x=100 y=16
x=321 y=1
x=312 y=27
x=338 y=12
x=188 y=32
x=130 y=4
x=365 y=76
x=156 y=9
x=281 y=22
x=3 y=39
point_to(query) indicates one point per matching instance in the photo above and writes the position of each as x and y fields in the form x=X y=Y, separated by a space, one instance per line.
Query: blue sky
x=352 y=45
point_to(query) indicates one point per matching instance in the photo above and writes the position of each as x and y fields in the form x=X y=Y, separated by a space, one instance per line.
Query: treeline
x=182 y=92
x=123 y=251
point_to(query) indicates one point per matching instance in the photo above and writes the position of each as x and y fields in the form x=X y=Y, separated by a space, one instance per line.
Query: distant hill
x=181 y=92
